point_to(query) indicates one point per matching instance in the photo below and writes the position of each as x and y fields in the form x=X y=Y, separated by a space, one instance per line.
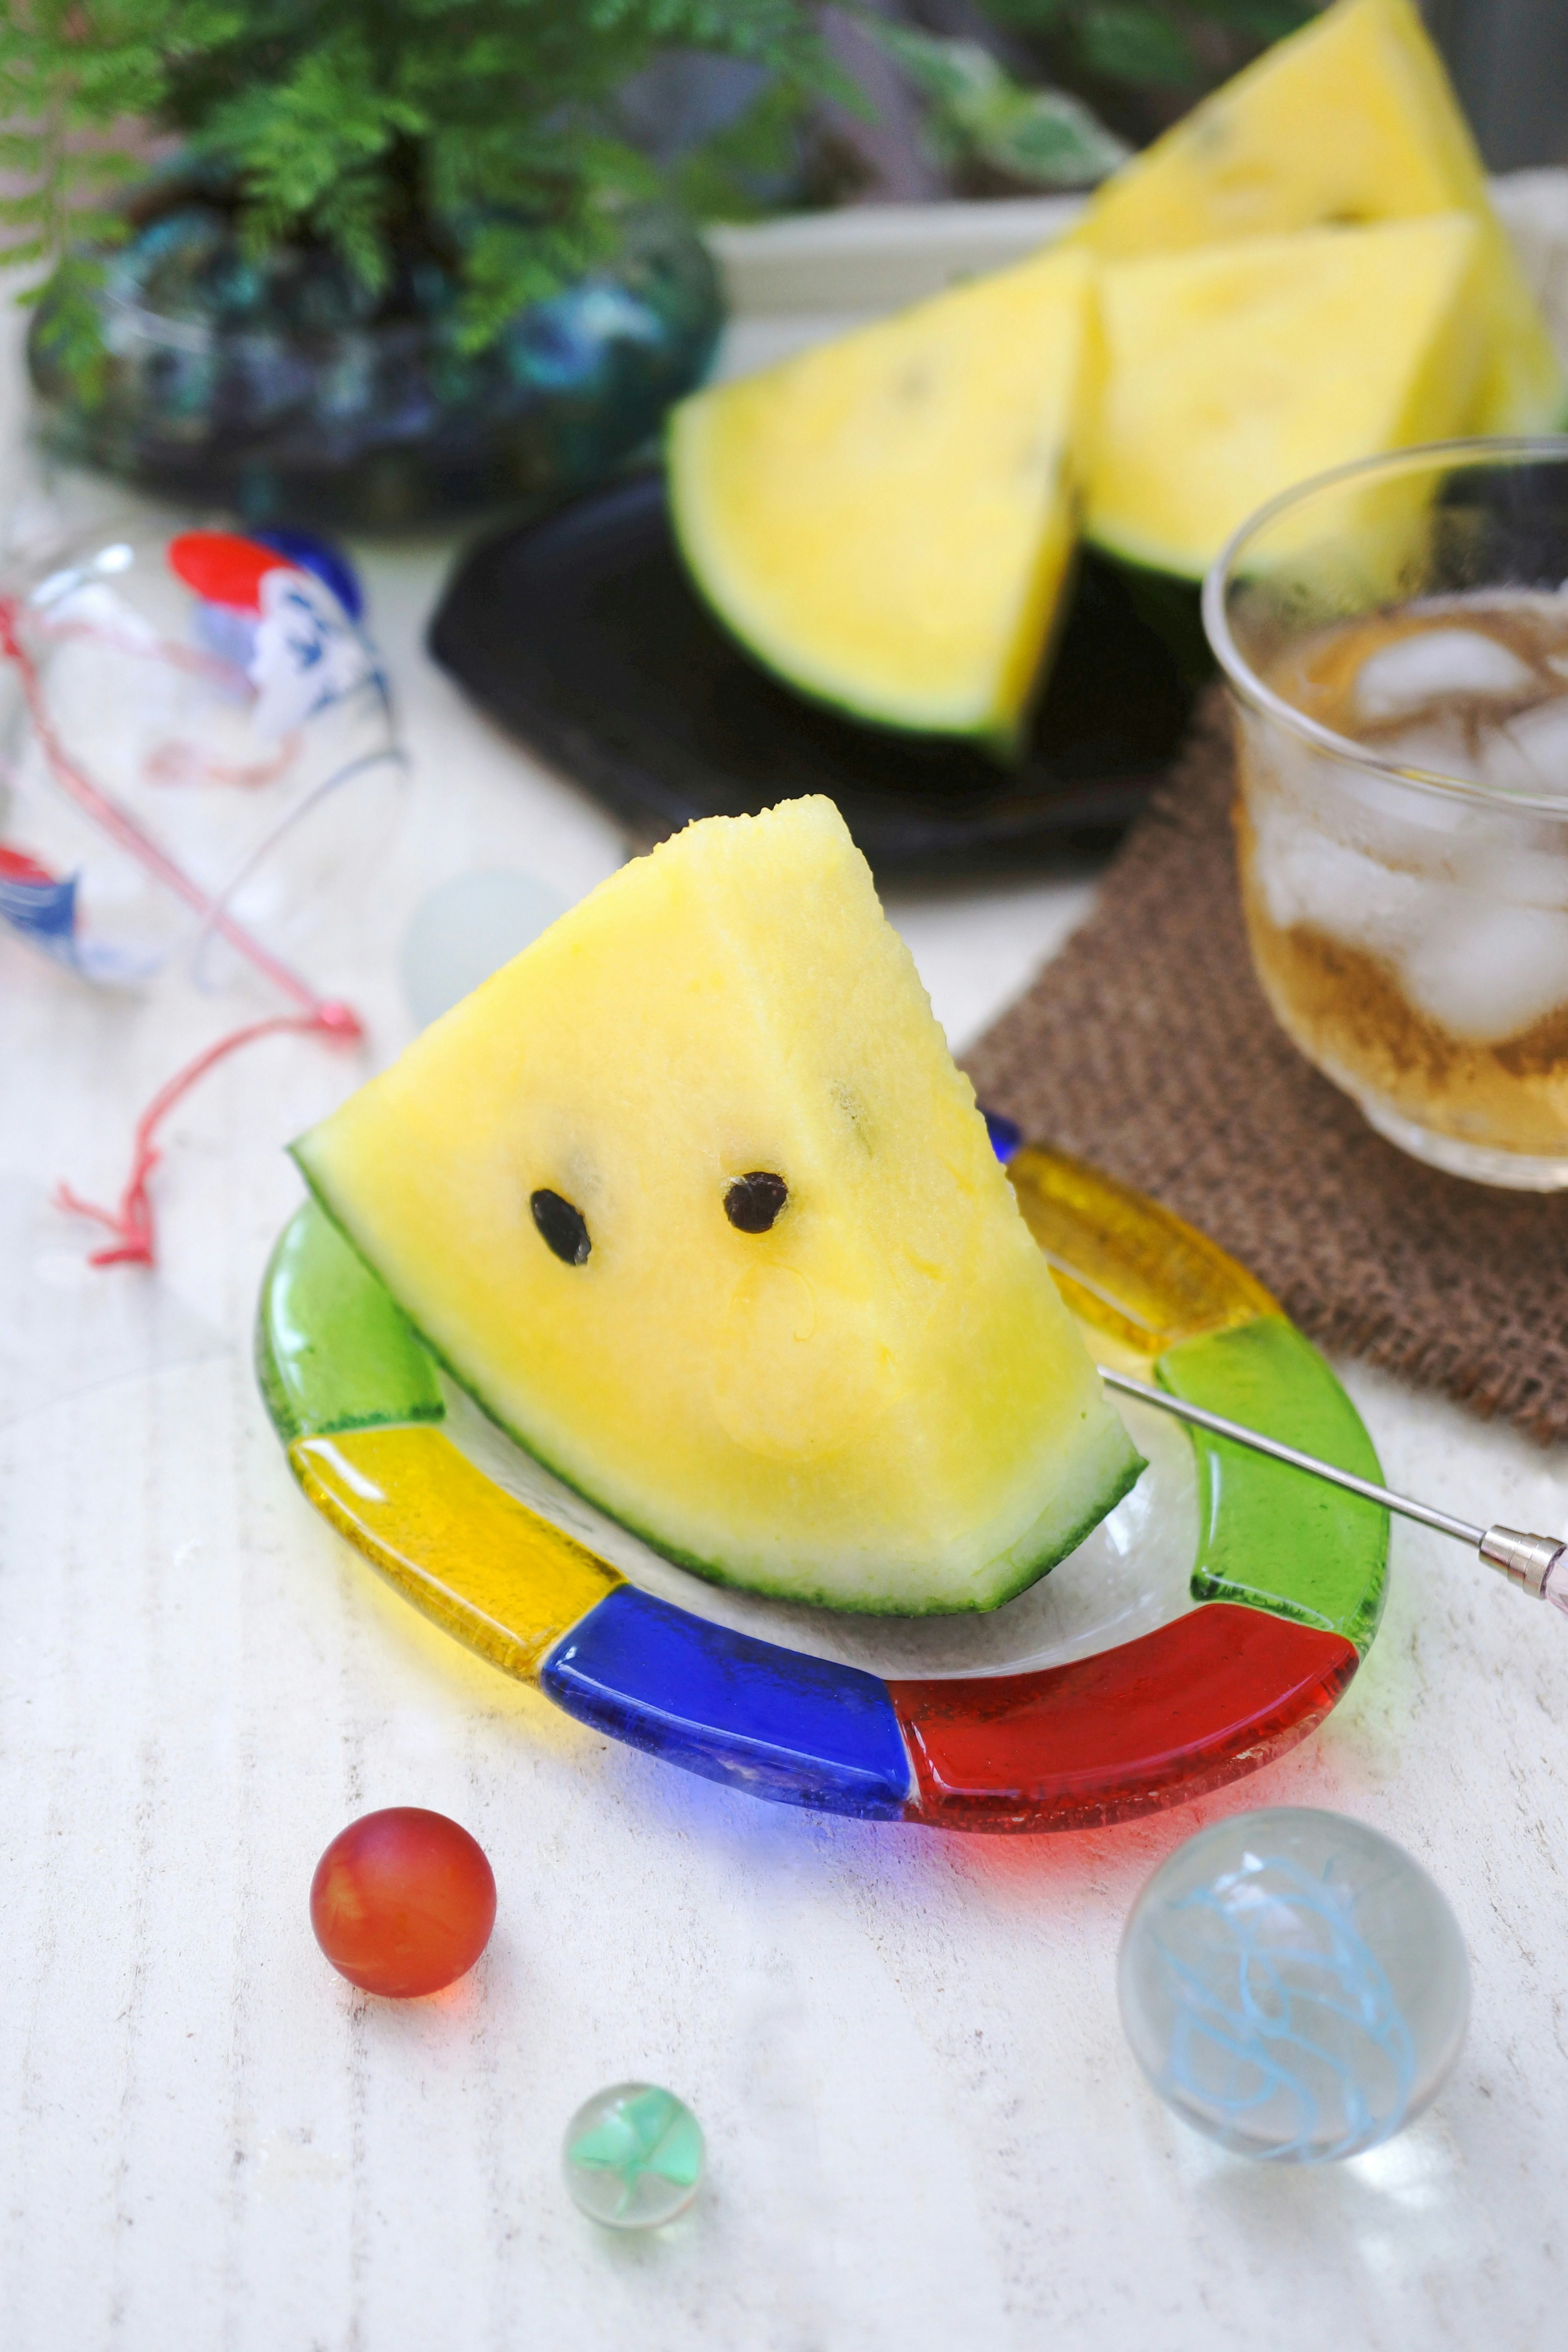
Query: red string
x=131 y=1223
x=122 y=826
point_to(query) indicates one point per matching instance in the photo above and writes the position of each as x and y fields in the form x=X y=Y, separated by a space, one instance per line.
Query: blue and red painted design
x=283 y=606
x=38 y=903
x=227 y=567
x=279 y=615
x=42 y=908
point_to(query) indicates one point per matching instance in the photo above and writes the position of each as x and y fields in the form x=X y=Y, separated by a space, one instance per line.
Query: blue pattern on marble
x=1306 y=2016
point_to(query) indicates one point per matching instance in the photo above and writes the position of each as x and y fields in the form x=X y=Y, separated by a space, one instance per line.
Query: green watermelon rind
x=1002 y=739
x=1165 y=582
x=1021 y=1575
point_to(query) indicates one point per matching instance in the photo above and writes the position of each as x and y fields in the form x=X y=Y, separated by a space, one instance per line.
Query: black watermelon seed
x=562 y=1228
x=753 y=1203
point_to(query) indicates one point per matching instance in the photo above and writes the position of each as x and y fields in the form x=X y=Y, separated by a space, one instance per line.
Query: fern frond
x=486 y=126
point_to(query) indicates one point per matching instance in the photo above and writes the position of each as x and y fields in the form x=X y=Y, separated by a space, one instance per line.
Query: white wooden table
x=925 y=2130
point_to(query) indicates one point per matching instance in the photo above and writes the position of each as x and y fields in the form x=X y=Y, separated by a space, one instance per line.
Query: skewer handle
x=1537 y=1564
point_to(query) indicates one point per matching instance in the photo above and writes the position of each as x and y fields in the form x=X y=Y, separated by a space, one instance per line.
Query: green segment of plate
x=332 y=1350
x=1281 y=1540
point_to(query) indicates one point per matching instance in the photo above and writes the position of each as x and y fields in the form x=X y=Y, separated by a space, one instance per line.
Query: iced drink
x=1402 y=821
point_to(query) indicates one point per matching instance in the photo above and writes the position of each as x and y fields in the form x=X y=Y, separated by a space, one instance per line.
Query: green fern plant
x=1131 y=51
x=486 y=130
x=1153 y=44
x=1078 y=78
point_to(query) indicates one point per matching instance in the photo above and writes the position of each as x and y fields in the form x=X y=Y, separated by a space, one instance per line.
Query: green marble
x=1272 y=1537
x=633 y=2157
x=332 y=1351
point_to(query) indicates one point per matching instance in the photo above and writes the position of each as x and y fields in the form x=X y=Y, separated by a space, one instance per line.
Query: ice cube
x=1531 y=869
x=1486 y=968
x=1530 y=754
x=1435 y=666
x=1373 y=814
x=1309 y=877
x=1440 y=747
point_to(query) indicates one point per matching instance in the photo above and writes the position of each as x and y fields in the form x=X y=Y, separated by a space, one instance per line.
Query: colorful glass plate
x=1208 y=1624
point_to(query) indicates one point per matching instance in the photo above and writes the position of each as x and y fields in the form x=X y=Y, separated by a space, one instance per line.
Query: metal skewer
x=1537 y=1564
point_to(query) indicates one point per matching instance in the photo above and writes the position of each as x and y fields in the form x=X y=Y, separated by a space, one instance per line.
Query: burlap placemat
x=1147 y=1047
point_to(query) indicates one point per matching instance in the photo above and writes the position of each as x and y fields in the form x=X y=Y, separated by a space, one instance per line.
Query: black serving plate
x=581 y=634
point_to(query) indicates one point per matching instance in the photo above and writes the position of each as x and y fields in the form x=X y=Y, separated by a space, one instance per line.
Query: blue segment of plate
x=780 y=1723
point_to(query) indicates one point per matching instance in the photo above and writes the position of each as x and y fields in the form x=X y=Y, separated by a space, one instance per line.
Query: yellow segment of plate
x=1139 y=1275
x=495 y=1574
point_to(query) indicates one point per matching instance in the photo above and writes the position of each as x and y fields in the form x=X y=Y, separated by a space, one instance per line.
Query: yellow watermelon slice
x=1351 y=121
x=1238 y=370
x=887 y=521
x=693 y=1199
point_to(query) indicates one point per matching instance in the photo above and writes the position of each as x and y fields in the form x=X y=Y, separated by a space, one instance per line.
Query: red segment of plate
x=1196 y=1703
x=225 y=568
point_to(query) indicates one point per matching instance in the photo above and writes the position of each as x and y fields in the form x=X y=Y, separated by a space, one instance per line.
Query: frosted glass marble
x=1294 y=1985
x=633 y=2157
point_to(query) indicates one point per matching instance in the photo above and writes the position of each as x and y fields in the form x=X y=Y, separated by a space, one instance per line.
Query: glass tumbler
x=1394 y=636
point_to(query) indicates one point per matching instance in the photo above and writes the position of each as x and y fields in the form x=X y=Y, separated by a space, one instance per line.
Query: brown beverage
x=1414 y=942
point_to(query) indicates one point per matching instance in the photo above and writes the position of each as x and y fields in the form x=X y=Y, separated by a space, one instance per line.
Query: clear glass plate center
x=1130 y=1576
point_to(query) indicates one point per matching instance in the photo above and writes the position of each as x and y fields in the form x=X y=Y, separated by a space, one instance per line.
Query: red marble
x=403 y=1902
